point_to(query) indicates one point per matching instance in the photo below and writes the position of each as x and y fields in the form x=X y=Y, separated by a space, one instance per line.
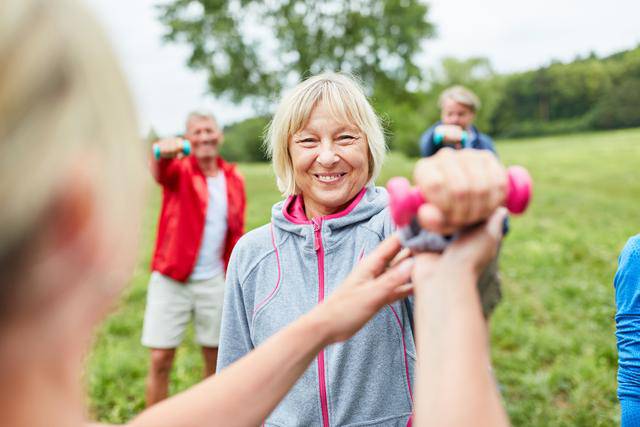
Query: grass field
x=553 y=334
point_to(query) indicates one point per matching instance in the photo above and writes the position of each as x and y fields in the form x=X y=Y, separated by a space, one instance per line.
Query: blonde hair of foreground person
x=67 y=134
x=70 y=180
x=346 y=101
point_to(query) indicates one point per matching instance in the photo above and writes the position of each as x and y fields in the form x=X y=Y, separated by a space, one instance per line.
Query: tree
x=243 y=140
x=251 y=49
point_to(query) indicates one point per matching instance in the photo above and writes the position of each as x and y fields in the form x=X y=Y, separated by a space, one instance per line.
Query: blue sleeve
x=627 y=291
x=486 y=143
x=427 y=146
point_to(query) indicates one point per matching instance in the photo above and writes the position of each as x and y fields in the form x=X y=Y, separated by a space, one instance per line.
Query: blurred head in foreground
x=70 y=189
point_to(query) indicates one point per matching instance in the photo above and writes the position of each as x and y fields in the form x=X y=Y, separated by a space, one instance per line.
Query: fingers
x=431 y=218
x=377 y=261
x=170 y=147
x=479 y=190
x=494 y=227
x=430 y=180
x=392 y=284
x=402 y=255
x=452 y=133
x=445 y=185
x=498 y=183
x=462 y=188
x=441 y=180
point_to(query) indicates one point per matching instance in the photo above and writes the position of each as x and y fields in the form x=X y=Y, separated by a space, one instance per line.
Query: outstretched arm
x=246 y=392
x=455 y=386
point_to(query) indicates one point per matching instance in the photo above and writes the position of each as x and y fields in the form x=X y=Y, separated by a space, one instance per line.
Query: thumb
x=495 y=224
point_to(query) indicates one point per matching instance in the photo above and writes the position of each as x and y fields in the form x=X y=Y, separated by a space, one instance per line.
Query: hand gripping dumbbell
x=186 y=149
x=405 y=201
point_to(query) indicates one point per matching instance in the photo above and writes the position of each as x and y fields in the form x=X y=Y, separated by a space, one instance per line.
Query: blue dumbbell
x=186 y=149
x=438 y=138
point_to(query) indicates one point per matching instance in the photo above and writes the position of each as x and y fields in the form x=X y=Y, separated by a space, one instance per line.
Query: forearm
x=246 y=392
x=455 y=385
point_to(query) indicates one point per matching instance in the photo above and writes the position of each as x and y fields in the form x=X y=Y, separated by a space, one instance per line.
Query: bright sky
x=514 y=34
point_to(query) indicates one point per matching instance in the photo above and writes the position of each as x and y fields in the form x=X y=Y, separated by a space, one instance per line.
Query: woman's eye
x=346 y=139
x=306 y=141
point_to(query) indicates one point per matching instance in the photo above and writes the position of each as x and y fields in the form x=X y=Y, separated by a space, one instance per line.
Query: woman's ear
x=68 y=245
x=72 y=211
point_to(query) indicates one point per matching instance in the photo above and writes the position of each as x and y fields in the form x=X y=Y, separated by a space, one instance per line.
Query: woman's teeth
x=329 y=178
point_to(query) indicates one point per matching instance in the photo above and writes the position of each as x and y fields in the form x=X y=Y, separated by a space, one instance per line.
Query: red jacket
x=184 y=208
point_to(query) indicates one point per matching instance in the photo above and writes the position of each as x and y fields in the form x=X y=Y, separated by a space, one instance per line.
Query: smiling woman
x=327 y=147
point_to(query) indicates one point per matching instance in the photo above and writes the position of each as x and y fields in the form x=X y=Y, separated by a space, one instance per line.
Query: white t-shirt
x=209 y=262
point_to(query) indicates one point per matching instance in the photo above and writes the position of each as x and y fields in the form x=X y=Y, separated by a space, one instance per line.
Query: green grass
x=553 y=334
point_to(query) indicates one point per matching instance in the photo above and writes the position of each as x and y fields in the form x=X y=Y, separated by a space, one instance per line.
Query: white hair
x=461 y=95
x=200 y=114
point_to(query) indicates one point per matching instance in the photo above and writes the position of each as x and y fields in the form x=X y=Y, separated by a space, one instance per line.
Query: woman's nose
x=327 y=156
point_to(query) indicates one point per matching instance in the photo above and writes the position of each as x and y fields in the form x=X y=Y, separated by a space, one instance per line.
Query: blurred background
x=560 y=88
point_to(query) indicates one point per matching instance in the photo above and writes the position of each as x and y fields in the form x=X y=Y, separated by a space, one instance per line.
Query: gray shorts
x=171 y=304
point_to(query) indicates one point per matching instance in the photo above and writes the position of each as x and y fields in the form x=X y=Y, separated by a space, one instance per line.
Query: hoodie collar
x=289 y=216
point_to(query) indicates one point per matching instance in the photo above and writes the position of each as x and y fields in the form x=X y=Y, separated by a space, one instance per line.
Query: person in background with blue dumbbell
x=202 y=218
x=458 y=106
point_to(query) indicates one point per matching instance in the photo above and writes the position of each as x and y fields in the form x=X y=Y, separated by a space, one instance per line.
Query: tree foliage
x=243 y=140
x=584 y=94
x=251 y=49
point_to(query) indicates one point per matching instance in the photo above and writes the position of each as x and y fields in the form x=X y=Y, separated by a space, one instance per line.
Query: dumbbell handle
x=186 y=149
x=405 y=200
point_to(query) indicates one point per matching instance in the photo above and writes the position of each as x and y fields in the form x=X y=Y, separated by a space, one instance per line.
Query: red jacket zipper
x=317 y=230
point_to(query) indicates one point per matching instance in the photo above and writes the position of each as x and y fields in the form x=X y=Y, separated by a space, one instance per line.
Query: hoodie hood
x=288 y=215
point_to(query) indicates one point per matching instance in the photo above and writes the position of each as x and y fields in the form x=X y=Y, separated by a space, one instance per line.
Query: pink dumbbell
x=405 y=200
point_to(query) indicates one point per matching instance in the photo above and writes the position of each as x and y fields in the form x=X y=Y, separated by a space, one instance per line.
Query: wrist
x=317 y=326
x=450 y=275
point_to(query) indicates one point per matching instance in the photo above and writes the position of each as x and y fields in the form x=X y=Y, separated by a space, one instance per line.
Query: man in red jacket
x=202 y=217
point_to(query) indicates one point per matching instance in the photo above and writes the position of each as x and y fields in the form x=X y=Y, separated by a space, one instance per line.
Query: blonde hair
x=461 y=95
x=64 y=105
x=346 y=101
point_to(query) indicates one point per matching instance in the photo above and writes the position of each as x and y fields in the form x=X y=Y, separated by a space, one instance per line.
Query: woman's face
x=330 y=162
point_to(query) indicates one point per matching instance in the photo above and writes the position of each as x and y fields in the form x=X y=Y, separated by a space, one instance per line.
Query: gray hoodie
x=282 y=270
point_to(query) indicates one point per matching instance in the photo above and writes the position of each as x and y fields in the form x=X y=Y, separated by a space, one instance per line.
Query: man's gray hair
x=200 y=114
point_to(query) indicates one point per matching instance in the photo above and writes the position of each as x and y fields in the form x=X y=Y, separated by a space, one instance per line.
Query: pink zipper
x=317 y=230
